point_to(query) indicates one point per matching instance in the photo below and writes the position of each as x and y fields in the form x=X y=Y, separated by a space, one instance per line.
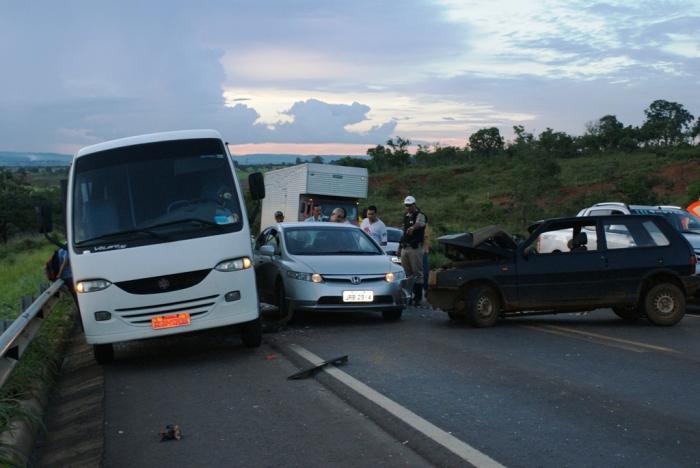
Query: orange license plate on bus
x=170 y=321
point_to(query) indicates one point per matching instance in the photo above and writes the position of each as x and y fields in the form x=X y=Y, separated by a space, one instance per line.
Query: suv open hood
x=487 y=242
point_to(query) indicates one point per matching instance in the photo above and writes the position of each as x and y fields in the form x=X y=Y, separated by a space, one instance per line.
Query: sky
x=336 y=77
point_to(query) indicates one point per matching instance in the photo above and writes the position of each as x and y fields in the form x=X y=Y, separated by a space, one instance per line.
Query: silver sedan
x=327 y=266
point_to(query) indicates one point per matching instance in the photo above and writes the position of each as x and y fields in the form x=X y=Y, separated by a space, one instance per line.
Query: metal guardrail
x=20 y=333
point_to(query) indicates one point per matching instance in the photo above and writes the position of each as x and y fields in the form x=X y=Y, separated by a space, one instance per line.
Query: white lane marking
x=461 y=449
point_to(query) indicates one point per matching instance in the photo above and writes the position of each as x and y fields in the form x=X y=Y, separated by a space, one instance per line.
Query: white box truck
x=295 y=190
x=159 y=239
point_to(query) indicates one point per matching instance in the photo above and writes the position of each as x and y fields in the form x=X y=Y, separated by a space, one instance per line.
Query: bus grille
x=163 y=284
x=143 y=315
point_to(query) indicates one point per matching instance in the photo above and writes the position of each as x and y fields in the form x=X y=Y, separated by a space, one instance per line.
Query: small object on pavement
x=270 y=357
x=306 y=373
x=171 y=432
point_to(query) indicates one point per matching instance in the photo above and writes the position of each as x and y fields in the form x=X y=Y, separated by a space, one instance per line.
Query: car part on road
x=664 y=304
x=171 y=432
x=306 y=373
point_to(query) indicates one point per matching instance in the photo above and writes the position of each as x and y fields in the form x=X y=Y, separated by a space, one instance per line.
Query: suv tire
x=483 y=306
x=664 y=304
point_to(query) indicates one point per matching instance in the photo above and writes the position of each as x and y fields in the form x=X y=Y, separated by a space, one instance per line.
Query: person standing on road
x=426 y=252
x=338 y=216
x=316 y=214
x=279 y=217
x=411 y=246
x=374 y=226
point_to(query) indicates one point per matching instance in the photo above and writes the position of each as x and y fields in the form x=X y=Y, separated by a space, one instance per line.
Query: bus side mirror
x=44 y=218
x=256 y=185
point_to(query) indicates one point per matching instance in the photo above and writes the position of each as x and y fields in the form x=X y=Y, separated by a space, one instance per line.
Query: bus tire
x=251 y=333
x=104 y=353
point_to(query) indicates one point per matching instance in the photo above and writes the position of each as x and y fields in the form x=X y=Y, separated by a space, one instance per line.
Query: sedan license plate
x=358 y=296
x=170 y=321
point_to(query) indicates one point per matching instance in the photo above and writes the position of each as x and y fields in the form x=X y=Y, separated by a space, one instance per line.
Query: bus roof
x=149 y=138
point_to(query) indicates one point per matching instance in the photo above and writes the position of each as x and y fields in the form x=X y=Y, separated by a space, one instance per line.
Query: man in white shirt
x=374 y=226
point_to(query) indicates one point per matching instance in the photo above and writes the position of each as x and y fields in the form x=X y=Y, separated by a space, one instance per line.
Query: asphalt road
x=567 y=390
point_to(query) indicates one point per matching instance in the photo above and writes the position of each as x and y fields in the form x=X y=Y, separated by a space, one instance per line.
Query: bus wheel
x=104 y=353
x=251 y=333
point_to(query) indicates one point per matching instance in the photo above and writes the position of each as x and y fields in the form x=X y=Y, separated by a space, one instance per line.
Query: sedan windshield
x=318 y=240
x=156 y=192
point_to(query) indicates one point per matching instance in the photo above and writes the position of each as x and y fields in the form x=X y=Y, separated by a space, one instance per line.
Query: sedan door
x=266 y=267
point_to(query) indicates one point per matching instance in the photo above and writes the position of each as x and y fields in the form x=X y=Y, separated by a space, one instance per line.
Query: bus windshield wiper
x=198 y=221
x=120 y=234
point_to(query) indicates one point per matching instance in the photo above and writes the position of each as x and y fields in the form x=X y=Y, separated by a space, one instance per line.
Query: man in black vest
x=411 y=246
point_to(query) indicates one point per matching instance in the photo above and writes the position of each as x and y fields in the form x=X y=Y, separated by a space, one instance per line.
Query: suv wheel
x=628 y=313
x=664 y=304
x=483 y=306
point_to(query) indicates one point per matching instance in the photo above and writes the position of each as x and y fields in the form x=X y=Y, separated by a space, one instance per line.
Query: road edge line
x=456 y=446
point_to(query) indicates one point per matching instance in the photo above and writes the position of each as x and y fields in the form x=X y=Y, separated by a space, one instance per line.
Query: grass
x=21 y=274
x=21 y=271
x=467 y=196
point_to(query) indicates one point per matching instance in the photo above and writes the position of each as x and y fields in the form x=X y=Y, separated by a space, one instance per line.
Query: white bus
x=159 y=239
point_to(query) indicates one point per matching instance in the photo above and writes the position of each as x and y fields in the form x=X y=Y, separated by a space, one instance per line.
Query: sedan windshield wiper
x=354 y=252
x=118 y=235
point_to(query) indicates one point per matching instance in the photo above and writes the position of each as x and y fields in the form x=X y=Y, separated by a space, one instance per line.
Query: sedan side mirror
x=267 y=250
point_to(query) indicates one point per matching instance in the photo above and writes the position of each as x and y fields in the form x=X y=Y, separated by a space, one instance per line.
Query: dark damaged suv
x=640 y=266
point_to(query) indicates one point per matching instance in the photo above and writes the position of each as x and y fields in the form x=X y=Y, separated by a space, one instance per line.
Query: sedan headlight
x=236 y=264
x=396 y=259
x=298 y=275
x=87 y=286
x=394 y=276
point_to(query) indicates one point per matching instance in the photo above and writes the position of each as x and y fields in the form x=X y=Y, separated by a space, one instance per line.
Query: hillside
x=467 y=196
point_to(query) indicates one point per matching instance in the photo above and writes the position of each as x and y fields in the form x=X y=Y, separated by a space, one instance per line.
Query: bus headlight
x=87 y=286
x=236 y=264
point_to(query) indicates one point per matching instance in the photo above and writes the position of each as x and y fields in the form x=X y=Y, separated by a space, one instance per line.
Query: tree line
x=667 y=125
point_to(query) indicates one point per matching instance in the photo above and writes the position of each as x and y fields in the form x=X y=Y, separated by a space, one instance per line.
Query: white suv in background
x=687 y=223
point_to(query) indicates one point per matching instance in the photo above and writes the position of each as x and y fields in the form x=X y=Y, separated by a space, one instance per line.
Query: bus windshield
x=154 y=192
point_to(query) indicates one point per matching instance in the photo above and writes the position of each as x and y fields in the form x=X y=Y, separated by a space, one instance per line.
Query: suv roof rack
x=671 y=207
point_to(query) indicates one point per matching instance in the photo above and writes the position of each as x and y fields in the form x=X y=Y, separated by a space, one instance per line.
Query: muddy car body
x=491 y=276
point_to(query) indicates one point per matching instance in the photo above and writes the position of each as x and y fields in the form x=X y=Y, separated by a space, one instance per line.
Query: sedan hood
x=488 y=242
x=347 y=264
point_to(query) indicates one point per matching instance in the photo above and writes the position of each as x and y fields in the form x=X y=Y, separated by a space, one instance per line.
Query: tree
x=398 y=155
x=557 y=144
x=534 y=177
x=379 y=158
x=667 y=123
x=16 y=212
x=317 y=160
x=487 y=141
